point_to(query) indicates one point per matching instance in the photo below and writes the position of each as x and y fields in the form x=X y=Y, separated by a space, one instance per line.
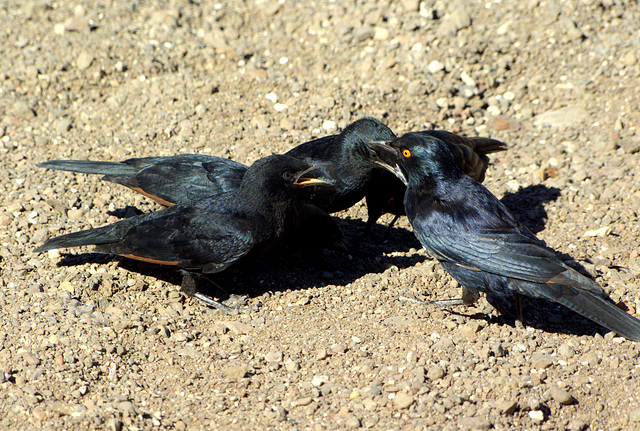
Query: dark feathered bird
x=356 y=177
x=189 y=179
x=211 y=234
x=185 y=179
x=479 y=242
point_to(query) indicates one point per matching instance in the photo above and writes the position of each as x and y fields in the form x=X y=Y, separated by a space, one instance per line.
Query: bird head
x=380 y=153
x=281 y=175
x=354 y=138
x=414 y=157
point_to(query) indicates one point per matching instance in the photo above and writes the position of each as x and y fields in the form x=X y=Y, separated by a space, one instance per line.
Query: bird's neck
x=437 y=192
x=262 y=207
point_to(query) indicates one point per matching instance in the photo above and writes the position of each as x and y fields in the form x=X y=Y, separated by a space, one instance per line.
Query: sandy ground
x=332 y=341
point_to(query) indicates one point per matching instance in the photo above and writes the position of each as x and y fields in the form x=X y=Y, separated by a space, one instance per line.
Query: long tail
x=487 y=145
x=99 y=236
x=583 y=296
x=470 y=153
x=90 y=167
x=600 y=311
x=479 y=145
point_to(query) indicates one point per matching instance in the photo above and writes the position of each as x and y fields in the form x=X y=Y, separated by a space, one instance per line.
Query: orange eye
x=406 y=153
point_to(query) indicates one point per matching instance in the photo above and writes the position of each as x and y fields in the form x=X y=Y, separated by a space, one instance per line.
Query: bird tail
x=583 y=296
x=480 y=146
x=98 y=236
x=485 y=146
x=90 y=167
x=599 y=310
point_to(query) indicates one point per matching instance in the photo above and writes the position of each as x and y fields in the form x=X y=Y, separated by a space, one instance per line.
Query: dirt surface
x=330 y=341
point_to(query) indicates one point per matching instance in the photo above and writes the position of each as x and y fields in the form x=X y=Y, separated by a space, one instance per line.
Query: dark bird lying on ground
x=477 y=240
x=187 y=179
x=210 y=235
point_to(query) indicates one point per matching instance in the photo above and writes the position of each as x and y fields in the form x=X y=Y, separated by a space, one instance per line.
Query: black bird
x=481 y=244
x=184 y=179
x=210 y=235
x=356 y=176
x=188 y=179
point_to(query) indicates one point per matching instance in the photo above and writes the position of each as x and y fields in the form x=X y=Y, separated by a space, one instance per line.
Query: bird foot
x=235 y=309
x=438 y=303
x=452 y=302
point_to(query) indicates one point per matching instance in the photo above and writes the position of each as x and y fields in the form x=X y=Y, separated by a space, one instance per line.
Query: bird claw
x=235 y=309
x=452 y=302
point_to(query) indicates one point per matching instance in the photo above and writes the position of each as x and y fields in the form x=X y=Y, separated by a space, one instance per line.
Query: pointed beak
x=315 y=175
x=387 y=157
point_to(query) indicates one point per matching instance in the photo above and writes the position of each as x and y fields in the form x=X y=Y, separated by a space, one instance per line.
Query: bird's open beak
x=387 y=157
x=315 y=175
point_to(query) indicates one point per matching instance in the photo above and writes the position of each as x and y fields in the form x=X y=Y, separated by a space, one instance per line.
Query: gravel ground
x=331 y=341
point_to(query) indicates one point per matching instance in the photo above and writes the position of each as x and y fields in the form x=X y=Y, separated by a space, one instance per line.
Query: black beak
x=315 y=175
x=387 y=157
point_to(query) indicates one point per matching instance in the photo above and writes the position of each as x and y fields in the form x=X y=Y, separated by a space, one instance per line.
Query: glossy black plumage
x=184 y=179
x=357 y=177
x=210 y=235
x=481 y=244
x=190 y=179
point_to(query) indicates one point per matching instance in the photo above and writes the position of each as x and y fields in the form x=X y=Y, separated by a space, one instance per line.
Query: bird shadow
x=292 y=267
x=527 y=204
x=538 y=313
x=286 y=266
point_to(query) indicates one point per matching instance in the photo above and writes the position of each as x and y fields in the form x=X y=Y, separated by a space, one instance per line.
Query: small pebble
x=435 y=372
x=84 y=60
x=319 y=380
x=561 y=396
x=274 y=356
x=403 y=400
x=537 y=416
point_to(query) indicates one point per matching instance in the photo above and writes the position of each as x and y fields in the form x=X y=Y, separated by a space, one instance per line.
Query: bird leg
x=190 y=288
x=217 y=305
x=371 y=222
x=446 y=302
x=469 y=297
x=387 y=230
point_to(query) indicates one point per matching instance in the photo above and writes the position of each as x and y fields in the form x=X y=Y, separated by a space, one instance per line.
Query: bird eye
x=287 y=176
x=406 y=153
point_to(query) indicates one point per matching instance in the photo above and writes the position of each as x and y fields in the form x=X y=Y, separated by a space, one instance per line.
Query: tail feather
x=600 y=311
x=487 y=145
x=481 y=146
x=90 y=167
x=99 y=236
x=470 y=153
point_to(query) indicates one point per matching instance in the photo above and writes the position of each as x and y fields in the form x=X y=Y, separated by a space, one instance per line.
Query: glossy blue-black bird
x=356 y=176
x=480 y=243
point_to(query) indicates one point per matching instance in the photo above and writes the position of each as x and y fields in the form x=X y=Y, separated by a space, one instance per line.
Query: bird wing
x=479 y=233
x=184 y=179
x=190 y=238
